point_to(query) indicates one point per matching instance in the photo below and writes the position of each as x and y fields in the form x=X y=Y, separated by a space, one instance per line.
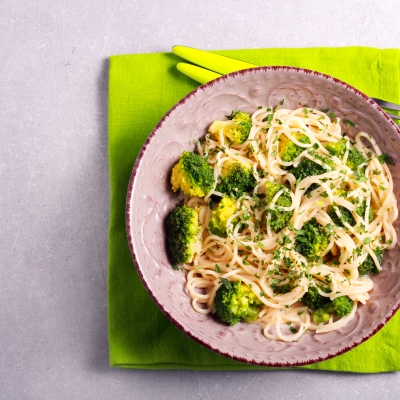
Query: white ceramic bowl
x=150 y=199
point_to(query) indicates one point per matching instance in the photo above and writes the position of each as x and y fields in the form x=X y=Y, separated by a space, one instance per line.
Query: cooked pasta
x=344 y=193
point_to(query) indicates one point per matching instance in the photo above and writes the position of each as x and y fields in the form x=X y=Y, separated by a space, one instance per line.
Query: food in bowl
x=285 y=220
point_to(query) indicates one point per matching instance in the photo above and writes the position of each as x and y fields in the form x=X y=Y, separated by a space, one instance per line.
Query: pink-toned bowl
x=150 y=198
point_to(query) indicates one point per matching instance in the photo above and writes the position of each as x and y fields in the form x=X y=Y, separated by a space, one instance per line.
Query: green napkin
x=142 y=88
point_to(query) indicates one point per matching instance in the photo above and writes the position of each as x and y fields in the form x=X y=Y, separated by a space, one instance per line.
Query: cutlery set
x=206 y=66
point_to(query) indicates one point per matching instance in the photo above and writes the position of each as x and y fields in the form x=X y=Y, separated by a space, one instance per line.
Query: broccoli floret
x=360 y=210
x=368 y=266
x=355 y=158
x=312 y=299
x=337 y=148
x=182 y=231
x=288 y=150
x=219 y=217
x=279 y=218
x=320 y=316
x=308 y=168
x=235 y=301
x=236 y=129
x=236 y=180
x=341 y=306
x=346 y=216
x=192 y=175
x=312 y=240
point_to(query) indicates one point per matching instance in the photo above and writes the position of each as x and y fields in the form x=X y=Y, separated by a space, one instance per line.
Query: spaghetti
x=355 y=206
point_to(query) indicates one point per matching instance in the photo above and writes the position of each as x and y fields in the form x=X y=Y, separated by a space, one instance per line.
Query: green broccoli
x=219 y=217
x=235 y=301
x=355 y=158
x=236 y=129
x=368 y=266
x=341 y=306
x=312 y=240
x=236 y=180
x=320 y=316
x=288 y=150
x=337 y=148
x=192 y=175
x=360 y=209
x=308 y=168
x=279 y=218
x=182 y=231
x=346 y=216
x=312 y=299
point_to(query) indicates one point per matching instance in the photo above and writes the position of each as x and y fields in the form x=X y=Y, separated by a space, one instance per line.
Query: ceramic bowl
x=150 y=199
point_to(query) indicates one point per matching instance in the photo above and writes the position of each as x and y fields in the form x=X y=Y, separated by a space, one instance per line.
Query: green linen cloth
x=142 y=88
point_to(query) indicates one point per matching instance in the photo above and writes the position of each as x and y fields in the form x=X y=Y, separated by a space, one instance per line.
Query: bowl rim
x=134 y=174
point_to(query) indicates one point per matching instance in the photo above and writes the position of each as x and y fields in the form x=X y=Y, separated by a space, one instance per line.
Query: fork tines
x=389 y=106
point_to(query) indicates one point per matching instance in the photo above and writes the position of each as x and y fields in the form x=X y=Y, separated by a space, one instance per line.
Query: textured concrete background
x=54 y=184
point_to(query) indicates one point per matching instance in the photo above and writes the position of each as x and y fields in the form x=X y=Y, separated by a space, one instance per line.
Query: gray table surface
x=54 y=201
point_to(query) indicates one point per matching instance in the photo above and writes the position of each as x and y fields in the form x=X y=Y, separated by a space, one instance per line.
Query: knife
x=216 y=64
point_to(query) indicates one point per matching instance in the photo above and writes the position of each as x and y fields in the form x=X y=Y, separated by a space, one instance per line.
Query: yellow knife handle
x=199 y=74
x=214 y=62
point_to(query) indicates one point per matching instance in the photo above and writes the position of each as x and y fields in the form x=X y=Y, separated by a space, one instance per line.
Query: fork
x=389 y=106
x=218 y=65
